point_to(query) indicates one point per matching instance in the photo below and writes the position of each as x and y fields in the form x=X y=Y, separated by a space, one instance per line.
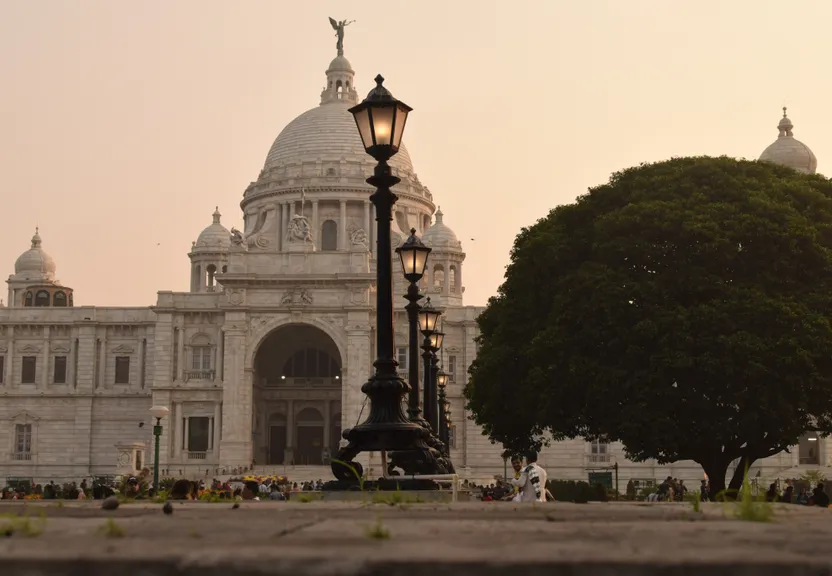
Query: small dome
x=340 y=64
x=439 y=235
x=788 y=151
x=35 y=264
x=215 y=238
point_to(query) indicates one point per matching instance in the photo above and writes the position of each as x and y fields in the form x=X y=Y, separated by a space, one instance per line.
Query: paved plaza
x=411 y=539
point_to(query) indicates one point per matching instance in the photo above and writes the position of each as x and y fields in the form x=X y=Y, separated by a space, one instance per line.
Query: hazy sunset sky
x=123 y=123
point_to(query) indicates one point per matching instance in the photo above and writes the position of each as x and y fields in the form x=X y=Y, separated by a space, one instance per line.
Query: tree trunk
x=739 y=474
x=716 y=471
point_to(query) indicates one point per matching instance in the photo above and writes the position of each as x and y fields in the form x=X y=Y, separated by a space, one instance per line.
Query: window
x=401 y=357
x=599 y=451
x=201 y=358
x=452 y=279
x=808 y=449
x=59 y=372
x=28 y=370
x=22 y=441
x=329 y=235
x=59 y=300
x=2 y=369
x=452 y=437
x=42 y=298
x=311 y=363
x=28 y=299
x=197 y=433
x=122 y=369
x=438 y=277
x=451 y=368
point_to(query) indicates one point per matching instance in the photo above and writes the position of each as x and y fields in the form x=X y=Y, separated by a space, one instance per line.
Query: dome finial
x=785 y=126
x=36 y=242
x=217 y=215
x=439 y=214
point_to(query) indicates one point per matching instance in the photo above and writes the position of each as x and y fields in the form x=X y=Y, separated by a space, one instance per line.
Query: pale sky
x=123 y=123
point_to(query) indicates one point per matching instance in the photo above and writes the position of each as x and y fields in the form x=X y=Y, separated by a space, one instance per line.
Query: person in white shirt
x=532 y=480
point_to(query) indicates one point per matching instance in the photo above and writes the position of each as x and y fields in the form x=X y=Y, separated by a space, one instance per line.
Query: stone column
x=141 y=375
x=180 y=352
x=185 y=436
x=86 y=358
x=215 y=443
x=44 y=377
x=446 y=289
x=290 y=432
x=327 y=422
x=10 y=301
x=177 y=429
x=356 y=369
x=367 y=220
x=284 y=224
x=219 y=375
x=236 y=445
x=70 y=365
x=316 y=233
x=102 y=361
x=8 y=377
x=342 y=227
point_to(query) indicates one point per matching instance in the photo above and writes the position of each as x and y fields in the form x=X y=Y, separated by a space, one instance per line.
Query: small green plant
x=695 y=499
x=752 y=508
x=354 y=472
x=24 y=525
x=112 y=530
x=59 y=503
x=377 y=531
x=305 y=498
x=161 y=497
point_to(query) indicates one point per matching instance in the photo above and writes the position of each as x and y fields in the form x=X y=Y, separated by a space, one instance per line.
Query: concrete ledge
x=311 y=567
x=462 y=539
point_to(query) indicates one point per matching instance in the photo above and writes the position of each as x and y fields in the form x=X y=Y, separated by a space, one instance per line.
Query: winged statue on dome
x=339 y=32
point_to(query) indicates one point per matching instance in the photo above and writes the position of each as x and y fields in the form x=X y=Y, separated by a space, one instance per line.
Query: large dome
x=327 y=132
x=789 y=151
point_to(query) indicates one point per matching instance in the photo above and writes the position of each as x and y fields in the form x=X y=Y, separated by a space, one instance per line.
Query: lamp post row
x=413 y=255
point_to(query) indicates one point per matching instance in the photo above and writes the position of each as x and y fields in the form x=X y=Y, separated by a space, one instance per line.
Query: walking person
x=532 y=480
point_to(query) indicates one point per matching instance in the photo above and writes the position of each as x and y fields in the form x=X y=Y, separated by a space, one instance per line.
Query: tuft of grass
x=11 y=524
x=305 y=498
x=161 y=497
x=354 y=472
x=377 y=531
x=751 y=508
x=59 y=503
x=695 y=499
x=112 y=530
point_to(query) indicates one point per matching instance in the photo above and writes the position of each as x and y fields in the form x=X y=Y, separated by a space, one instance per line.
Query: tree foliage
x=683 y=309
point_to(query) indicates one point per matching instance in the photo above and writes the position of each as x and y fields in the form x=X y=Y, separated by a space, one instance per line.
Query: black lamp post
x=414 y=258
x=381 y=120
x=441 y=381
x=436 y=340
x=157 y=412
x=428 y=318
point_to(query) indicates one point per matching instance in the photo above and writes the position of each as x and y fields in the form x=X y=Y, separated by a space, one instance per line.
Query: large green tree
x=683 y=309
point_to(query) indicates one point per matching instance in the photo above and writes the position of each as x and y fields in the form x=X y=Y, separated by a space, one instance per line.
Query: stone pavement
x=476 y=538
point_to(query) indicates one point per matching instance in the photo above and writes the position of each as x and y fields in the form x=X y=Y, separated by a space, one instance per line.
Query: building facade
x=262 y=360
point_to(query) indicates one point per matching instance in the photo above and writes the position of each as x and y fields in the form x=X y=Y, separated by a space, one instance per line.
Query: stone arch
x=259 y=336
x=297 y=439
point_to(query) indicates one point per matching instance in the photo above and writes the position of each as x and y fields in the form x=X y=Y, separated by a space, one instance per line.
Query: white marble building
x=261 y=361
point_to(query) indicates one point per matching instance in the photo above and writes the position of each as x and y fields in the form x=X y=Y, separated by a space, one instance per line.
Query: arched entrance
x=297 y=397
